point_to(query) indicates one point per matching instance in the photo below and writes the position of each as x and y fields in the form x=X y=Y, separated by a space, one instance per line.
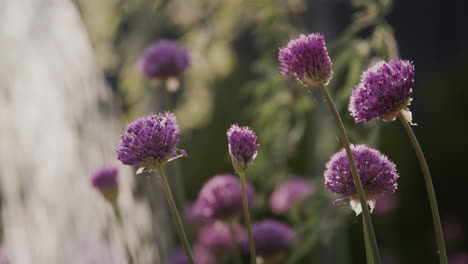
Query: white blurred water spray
x=56 y=127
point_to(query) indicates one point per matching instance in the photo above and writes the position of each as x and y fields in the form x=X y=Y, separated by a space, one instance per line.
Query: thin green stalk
x=354 y=171
x=430 y=190
x=175 y=215
x=367 y=244
x=253 y=255
x=118 y=216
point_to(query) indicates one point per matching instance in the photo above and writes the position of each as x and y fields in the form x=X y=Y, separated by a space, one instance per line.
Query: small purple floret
x=306 y=57
x=378 y=174
x=164 y=59
x=217 y=236
x=384 y=91
x=243 y=146
x=271 y=238
x=150 y=141
x=200 y=253
x=286 y=194
x=221 y=198
x=105 y=180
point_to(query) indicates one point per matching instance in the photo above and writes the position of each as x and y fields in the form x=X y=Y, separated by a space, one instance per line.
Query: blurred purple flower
x=306 y=57
x=201 y=255
x=453 y=227
x=164 y=59
x=458 y=258
x=270 y=237
x=105 y=180
x=243 y=146
x=378 y=175
x=287 y=193
x=384 y=92
x=387 y=204
x=221 y=198
x=217 y=236
x=150 y=141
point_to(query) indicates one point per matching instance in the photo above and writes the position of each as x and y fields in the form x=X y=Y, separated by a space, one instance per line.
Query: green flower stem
x=367 y=244
x=118 y=216
x=175 y=215
x=357 y=180
x=253 y=255
x=430 y=190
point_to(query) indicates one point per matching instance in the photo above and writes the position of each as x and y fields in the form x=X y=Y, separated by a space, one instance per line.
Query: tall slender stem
x=367 y=244
x=118 y=216
x=354 y=171
x=175 y=215
x=430 y=190
x=253 y=255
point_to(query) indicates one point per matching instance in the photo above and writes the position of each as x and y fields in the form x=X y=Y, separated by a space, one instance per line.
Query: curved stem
x=354 y=171
x=118 y=216
x=367 y=244
x=430 y=190
x=245 y=204
x=175 y=216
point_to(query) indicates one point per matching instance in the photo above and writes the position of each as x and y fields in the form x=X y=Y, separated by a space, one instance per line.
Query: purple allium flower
x=270 y=237
x=459 y=258
x=221 y=198
x=453 y=227
x=201 y=255
x=217 y=236
x=150 y=141
x=105 y=180
x=387 y=204
x=243 y=146
x=378 y=175
x=306 y=57
x=164 y=59
x=286 y=193
x=384 y=92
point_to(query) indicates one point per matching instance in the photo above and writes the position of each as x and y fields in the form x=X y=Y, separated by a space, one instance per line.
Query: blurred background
x=69 y=84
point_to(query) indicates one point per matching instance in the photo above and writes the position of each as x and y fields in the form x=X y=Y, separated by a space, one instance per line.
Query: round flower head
x=243 y=146
x=378 y=175
x=216 y=237
x=384 y=92
x=271 y=238
x=105 y=180
x=221 y=198
x=287 y=193
x=201 y=255
x=150 y=141
x=164 y=60
x=458 y=258
x=306 y=57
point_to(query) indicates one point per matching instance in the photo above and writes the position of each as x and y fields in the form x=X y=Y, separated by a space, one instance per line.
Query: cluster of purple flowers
x=150 y=142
